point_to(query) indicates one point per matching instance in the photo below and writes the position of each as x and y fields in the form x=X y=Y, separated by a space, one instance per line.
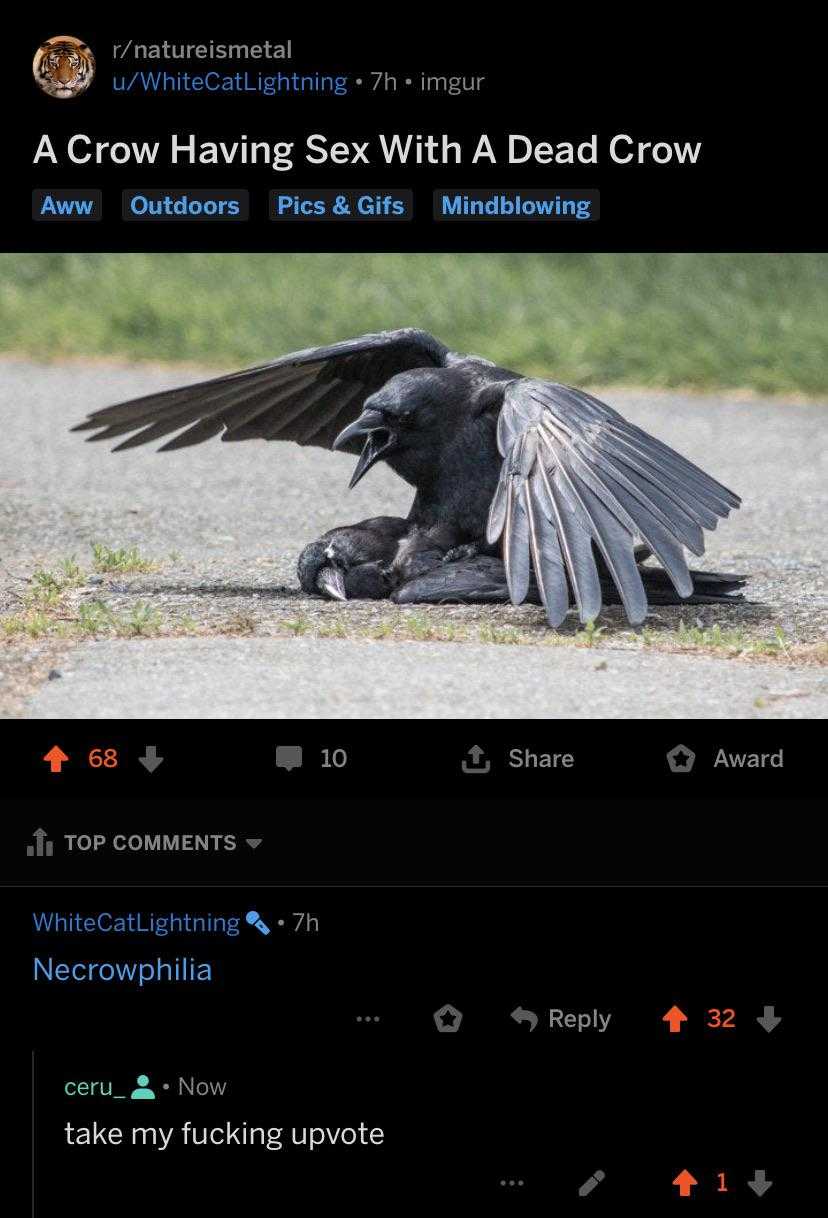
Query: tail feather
x=482 y=580
x=709 y=588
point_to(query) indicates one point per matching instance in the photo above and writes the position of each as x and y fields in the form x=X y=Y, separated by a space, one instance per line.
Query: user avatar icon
x=143 y=1090
x=63 y=66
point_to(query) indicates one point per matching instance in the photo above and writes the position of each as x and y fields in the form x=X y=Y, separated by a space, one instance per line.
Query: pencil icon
x=593 y=1182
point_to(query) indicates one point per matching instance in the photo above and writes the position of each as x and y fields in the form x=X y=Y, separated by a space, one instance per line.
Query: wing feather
x=669 y=513
x=497 y=509
x=547 y=560
x=517 y=551
x=662 y=542
x=575 y=537
x=617 y=546
x=246 y=406
x=579 y=480
x=703 y=509
x=633 y=515
x=202 y=430
x=278 y=400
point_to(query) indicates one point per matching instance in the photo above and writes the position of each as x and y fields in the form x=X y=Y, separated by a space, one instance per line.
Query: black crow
x=525 y=489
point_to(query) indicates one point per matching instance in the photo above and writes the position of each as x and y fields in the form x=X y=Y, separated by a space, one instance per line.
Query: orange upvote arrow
x=56 y=758
x=675 y=1017
x=685 y=1182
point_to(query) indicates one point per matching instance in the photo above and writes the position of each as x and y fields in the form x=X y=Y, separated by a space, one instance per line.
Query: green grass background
x=715 y=320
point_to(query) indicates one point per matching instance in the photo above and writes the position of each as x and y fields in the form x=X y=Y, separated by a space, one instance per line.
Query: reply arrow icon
x=521 y=1015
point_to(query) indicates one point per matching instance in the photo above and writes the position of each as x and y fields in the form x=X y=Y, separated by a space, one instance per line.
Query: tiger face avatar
x=63 y=66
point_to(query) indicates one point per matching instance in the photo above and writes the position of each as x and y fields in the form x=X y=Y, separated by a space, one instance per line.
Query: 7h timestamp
x=452 y=86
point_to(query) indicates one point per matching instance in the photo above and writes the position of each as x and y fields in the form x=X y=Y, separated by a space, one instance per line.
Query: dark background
x=461 y=1111
x=754 y=108
x=403 y=810
x=624 y=903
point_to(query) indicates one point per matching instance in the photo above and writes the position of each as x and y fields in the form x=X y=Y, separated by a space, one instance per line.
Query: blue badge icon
x=252 y=918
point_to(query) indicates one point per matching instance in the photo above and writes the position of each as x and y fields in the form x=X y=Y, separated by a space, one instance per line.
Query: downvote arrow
x=769 y=1019
x=254 y=842
x=151 y=761
x=760 y=1183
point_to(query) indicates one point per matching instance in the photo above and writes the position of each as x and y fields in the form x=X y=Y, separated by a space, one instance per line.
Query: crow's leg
x=352 y=562
x=458 y=553
x=423 y=549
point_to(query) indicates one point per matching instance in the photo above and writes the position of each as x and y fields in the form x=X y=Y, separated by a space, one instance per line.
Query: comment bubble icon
x=288 y=756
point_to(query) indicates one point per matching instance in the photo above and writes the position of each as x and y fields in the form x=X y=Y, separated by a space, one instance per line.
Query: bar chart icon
x=42 y=847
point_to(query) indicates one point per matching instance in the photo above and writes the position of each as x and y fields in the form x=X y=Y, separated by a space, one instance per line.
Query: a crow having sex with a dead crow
x=524 y=489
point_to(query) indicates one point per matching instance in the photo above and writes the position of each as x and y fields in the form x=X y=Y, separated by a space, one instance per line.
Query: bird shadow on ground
x=669 y=617
x=528 y=619
x=257 y=591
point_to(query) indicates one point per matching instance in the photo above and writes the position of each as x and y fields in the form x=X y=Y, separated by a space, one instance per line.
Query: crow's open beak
x=378 y=439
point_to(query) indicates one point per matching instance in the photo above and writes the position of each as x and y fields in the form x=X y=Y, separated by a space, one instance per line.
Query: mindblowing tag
x=550 y=205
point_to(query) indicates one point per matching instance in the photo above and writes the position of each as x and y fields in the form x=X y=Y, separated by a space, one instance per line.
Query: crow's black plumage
x=555 y=482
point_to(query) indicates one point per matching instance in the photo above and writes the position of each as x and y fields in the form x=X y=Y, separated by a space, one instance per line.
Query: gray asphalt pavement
x=262 y=678
x=226 y=521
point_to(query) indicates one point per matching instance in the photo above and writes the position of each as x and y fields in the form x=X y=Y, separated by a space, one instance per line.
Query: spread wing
x=578 y=478
x=308 y=396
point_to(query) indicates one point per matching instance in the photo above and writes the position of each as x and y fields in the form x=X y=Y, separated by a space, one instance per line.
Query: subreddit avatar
x=63 y=66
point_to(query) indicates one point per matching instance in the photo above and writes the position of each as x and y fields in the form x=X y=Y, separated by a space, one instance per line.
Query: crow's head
x=406 y=423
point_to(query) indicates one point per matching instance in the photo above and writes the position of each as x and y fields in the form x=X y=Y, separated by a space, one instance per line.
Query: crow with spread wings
x=525 y=489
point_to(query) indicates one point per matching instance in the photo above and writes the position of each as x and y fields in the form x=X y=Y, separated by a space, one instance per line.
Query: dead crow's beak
x=371 y=424
x=331 y=582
